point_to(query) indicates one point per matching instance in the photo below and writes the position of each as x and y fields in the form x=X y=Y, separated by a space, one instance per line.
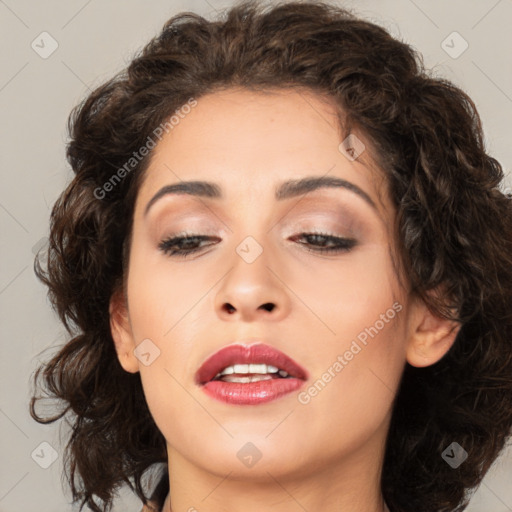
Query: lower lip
x=252 y=393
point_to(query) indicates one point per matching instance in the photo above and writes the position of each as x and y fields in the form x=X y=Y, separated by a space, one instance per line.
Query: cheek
x=355 y=382
x=350 y=294
x=162 y=311
x=163 y=297
x=362 y=350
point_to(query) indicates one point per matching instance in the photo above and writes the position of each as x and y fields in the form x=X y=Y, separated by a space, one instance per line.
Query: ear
x=430 y=336
x=121 y=330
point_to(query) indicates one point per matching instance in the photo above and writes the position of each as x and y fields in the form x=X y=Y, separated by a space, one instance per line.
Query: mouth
x=249 y=375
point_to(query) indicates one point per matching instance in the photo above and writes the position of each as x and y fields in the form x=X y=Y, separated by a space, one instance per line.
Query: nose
x=252 y=291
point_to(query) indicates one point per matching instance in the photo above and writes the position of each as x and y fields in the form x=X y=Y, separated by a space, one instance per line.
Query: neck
x=351 y=485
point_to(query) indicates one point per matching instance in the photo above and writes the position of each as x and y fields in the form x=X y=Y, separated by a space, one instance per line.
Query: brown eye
x=182 y=246
x=326 y=243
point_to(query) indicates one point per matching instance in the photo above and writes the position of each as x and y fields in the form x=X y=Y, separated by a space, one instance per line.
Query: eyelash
x=166 y=246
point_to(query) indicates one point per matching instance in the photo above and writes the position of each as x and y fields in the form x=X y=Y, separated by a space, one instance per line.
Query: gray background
x=95 y=39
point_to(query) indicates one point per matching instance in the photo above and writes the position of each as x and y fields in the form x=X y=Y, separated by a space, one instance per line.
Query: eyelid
x=335 y=229
x=342 y=217
x=342 y=222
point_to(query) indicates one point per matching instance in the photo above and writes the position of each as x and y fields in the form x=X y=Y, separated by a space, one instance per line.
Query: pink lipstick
x=249 y=375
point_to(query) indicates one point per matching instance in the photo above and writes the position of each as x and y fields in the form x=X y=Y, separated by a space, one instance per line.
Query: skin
x=247 y=143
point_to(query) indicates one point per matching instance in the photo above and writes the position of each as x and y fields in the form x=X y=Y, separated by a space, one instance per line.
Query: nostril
x=269 y=306
x=229 y=308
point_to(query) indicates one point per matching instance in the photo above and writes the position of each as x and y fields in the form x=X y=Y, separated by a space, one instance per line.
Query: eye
x=182 y=245
x=326 y=242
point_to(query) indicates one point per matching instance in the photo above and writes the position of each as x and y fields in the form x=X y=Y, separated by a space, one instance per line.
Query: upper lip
x=245 y=354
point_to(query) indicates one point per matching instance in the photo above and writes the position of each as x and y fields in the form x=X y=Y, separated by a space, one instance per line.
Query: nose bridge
x=251 y=289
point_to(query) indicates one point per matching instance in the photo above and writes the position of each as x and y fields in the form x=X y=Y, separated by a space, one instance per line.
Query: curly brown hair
x=453 y=226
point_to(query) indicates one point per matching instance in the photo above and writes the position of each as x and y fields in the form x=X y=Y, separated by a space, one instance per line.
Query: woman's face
x=259 y=277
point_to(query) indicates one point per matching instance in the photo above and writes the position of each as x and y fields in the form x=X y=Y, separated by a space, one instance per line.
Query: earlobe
x=121 y=331
x=431 y=337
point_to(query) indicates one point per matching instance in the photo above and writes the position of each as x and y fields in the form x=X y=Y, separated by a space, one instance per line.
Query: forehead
x=250 y=141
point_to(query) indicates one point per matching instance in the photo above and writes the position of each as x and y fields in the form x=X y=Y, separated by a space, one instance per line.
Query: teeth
x=257 y=368
x=283 y=373
x=241 y=368
x=249 y=368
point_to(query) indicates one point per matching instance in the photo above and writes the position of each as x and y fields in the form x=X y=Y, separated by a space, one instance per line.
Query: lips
x=243 y=354
x=222 y=377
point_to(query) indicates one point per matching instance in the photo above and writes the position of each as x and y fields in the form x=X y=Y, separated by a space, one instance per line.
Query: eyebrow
x=285 y=190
